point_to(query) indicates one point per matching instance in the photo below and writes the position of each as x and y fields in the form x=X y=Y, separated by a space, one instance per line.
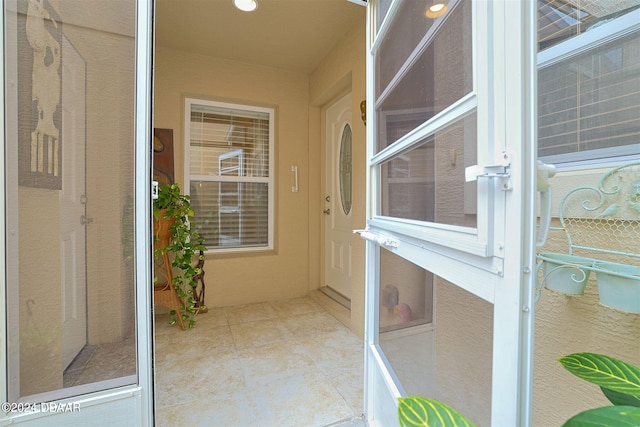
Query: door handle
x=545 y=172
x=84 y=220
x=327 y=211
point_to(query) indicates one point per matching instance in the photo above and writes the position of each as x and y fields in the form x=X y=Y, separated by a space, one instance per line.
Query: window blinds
x=230 y=175
x=590 y=102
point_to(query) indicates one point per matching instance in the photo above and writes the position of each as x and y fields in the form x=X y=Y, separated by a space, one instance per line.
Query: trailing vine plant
x=185 y=245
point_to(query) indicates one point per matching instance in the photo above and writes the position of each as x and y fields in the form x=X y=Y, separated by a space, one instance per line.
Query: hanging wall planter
x=566 y=274
x=619 y=286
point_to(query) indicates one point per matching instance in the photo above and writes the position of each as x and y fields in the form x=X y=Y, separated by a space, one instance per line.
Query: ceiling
x=290 y=34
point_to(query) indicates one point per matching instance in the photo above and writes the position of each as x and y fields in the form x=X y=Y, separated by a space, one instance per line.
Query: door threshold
x=336 y=296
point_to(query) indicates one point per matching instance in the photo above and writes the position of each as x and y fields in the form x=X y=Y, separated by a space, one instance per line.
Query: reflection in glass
x=590 y=101
x=437 y=337
x=406 y=314
x=560 y=20
x=427 y=182
x=70 y=132
x=410 y=92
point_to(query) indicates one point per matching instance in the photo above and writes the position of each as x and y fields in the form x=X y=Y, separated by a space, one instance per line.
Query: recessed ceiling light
x=246 y=5
x=437 y=9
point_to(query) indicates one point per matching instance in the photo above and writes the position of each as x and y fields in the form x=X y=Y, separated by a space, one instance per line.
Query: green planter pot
x=619 y=286
x=565 y=273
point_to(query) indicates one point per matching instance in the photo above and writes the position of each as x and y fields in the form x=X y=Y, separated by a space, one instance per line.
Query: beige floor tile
x=296 y=306
x=288 y=363
x=335 y=350
x=334 y=308
x=182 y=380
x=213 y=317
x=309 y=400
x=249 y=313
x=264 y=364
x=260 y=333
x=312 y=324
x=229 y=410
x=193 y=343
x=349 y=383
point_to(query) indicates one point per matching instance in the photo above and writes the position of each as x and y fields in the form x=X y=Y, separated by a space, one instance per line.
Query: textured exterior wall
x=569 y=324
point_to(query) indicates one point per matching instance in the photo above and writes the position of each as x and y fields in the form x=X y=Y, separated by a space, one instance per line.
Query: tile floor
x=277 y=364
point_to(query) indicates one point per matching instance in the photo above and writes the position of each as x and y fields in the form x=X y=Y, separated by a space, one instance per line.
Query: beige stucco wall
x=343 y=70
x=233 y=279
x=569 y=324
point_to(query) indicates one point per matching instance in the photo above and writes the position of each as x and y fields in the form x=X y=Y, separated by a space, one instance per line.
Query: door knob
x=327 y=211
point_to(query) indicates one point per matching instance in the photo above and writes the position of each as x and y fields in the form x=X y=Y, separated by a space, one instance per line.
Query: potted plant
x=173 y=235
x=619 y=382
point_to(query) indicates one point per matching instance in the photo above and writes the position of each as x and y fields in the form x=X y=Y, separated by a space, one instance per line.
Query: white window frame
x=269 y=180
x=605 y=33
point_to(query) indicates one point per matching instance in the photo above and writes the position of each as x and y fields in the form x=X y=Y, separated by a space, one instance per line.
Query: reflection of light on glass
x=436 y=10
x=246 y=5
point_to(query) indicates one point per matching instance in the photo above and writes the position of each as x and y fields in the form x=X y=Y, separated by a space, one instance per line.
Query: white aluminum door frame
x=133 y=402
x=504 y=54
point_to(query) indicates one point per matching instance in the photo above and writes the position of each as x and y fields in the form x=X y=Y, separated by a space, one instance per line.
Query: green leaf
x=604 y=371
x=612 y=416
x=416 y=411
x=618 y=398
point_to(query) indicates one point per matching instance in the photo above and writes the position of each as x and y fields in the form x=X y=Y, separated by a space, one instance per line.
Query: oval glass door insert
x=345 y=169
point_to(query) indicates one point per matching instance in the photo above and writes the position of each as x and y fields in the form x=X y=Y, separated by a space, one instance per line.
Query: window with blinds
x=229 y=164
x=588 y=89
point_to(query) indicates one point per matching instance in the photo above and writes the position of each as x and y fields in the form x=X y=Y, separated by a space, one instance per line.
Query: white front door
x=338 y=198
x=73 y=199
x=451 y=164
x=76 y=89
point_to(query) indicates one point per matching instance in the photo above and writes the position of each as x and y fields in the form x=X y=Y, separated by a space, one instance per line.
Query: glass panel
x=591 y=101
x=559 y=20
x=231 y=214
x=440 y=74
x=406 y=316
x=345 y=170
x=463 y=351
x=436 y=337
x=70 y=176
x=410 y=24
x=427 y=183
x=382 y=8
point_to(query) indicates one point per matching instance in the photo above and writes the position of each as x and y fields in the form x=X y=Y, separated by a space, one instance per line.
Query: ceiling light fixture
x=438 y=8
x=246 y=5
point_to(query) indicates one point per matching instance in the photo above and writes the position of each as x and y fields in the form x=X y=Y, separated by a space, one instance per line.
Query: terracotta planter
x=162 y=230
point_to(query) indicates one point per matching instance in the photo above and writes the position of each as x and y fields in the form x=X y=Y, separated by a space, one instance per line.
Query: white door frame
x=505 y=98
x=133 y=402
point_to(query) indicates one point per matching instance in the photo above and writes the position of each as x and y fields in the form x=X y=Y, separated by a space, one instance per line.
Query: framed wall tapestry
x=163 y=156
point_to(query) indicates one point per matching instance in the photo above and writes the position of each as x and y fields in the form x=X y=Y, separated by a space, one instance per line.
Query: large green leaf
x=416 y=411
x=618 y=398
x=604 y=371
x=610 y=416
